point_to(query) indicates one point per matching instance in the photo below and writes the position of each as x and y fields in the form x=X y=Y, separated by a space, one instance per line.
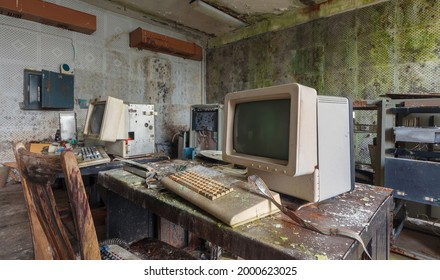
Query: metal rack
x=368 y=138
x=401 y=159
x=412 y=151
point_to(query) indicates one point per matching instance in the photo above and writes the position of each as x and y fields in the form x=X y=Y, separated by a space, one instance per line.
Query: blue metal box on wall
x=57 y=90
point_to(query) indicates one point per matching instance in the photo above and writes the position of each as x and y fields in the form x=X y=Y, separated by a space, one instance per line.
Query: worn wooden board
x=15 y=234
x=14 y=239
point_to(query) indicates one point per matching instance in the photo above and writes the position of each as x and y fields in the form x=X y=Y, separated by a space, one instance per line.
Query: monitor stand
x=305 y=187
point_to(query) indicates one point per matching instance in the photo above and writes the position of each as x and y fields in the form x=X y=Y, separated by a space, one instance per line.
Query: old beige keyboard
x=212 y=191
x=201 y=184
x=89 y=156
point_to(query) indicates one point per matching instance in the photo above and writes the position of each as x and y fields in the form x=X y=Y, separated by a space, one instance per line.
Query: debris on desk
x=153 y=183
x=144 y=171
x=181 y=167
x=321 y=257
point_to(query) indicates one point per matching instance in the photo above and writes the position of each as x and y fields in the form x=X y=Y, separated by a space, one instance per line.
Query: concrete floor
x=16 y=242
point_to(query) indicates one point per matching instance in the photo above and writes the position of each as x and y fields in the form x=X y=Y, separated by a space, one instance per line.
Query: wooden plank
x=18 y=217
x=11 y=202
x=422 y=103
x=144 y=39
x=50 y=14
x=14 y=239
x=25 y=254
x=42 y=249
x=172 y=234
x=82 y=216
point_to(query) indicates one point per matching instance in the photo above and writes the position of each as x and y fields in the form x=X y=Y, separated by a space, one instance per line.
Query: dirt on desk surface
x=167 y=167
x=279 y=236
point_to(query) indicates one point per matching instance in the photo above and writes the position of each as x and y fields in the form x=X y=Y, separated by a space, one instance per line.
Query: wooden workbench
x=366 y=210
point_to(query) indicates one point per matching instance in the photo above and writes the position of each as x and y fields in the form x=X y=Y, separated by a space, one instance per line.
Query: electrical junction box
x=57 y=90
x=47 y=90
x=139 y=123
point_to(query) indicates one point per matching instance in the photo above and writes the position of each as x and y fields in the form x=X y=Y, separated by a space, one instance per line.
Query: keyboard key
x=201 y=184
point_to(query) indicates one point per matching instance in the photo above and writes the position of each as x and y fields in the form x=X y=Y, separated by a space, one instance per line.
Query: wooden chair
x=38 y=174
x=49 y=235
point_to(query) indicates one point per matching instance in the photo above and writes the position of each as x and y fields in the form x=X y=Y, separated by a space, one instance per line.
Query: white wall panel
x=19 y=45
x=103 y=63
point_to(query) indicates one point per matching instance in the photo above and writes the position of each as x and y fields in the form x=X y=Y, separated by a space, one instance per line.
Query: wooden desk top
x=364 y=210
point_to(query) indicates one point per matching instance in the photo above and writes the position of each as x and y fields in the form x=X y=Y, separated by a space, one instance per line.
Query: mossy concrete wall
x=391 y=47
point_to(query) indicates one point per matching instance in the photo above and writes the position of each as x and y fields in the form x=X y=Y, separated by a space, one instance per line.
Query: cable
x=172 y=140
x=428 y=220
x=261 y=185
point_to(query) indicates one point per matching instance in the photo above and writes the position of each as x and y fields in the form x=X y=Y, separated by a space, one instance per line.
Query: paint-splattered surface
x=364 y=210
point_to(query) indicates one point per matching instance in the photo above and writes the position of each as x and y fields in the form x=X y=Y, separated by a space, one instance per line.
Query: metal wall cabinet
x=31 y=90
x=57 y=90
x=46 y=90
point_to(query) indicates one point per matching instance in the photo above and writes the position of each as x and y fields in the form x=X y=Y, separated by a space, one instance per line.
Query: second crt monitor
x=299 y=143
x=126 y=129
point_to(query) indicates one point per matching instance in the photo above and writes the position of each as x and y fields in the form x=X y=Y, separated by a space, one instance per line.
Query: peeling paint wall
x=104 y=65
x=391 y=47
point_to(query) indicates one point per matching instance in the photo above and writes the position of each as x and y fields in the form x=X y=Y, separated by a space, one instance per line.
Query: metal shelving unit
x=368 y=138
x=412 y=149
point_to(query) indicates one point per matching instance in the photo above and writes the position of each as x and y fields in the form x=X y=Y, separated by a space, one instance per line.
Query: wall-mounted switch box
x=57 y=90
x=31 y=90
x=46 y=90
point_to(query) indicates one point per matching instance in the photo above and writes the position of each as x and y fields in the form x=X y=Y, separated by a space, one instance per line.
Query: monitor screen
x=261 y=128
x=272 y=128
x=96 y=119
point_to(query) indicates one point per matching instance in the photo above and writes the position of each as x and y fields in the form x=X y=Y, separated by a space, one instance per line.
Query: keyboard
x=89 y=156
x=116 y=252
x=108 y=254
x=223 y=196
x=201 y=184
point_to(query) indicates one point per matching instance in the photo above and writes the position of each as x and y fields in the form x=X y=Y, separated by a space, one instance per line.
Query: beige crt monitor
x=106 y=120
x=299 y=143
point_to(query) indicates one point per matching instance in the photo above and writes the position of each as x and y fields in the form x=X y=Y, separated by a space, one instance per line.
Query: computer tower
x=139 y=121
x=206 y=127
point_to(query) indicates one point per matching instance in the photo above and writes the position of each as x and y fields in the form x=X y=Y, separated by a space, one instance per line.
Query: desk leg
x=127 y=221
x=172 y=234
x=376 y=235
